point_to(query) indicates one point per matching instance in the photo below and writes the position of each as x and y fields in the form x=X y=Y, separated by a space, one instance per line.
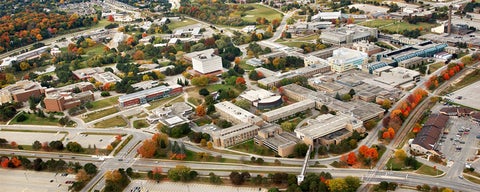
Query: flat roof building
x=426 y=139
x=207 y=63
x=235 y=134
x=289 y=110
x=307 y=72
x=262 y=99
x=273 y=137
x=21 y=91
x=329 y=129
x=348 y=34
x=345 y=59
x=235 y=114
x=60 y=99
x=148 y=95
x=398 y=77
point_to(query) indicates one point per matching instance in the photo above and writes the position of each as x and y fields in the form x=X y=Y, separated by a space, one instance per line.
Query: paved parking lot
x=460 y=144
x=32 y=181
x=468 y=96
x=27 y=138
x=100 y=141
x=152 y=186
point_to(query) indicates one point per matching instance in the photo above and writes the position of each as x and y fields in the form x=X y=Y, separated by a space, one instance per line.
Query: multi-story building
x=289 y=110
x=397 y=77
x=329 y=129
x=313 y=60
x=423 y=49
x=207 y=63
x=21 y=91
x=367 y=47
x=273 y=137
x=412 y=63
x=348 y=34
x=148 y=95
x=345 y=59
x=60 y=101
x=234 y=135
x=235 y=114
x=8 y=61
x=262 y=99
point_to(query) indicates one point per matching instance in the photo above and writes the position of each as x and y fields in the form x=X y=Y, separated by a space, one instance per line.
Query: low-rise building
x=345 y=59
x=329 y=129
x=173 y=115
x=262 y=99
x=456 y=111
x=273 y=137
x=307 y=72
x=314 y=60
x=348 y=34
x=145 y=96
x=412 y=63
x=234 y=135
x=426 y=139
x=398 y=77
x=21 y=91
x=367 y=47
x=289 y=110
x=60 y=99
x=235 y=114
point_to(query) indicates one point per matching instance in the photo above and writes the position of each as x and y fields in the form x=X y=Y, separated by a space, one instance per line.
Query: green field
x=99 y=114
x=261 y=11
x=396 y=26
x=177 y=24
x=33 y=119
x=293 y=43
x=436 y=66
x=243 y=64
x=427 y=170
x=95 y=50
x=116 y=121
x=111 y=101
x=163 y=101
x=251 y=147
x=141 y=123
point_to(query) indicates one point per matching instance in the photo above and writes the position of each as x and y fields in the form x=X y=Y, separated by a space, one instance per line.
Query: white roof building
x=207 y=63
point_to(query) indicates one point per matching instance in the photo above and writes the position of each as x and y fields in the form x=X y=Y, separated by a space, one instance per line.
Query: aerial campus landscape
x=239 y=95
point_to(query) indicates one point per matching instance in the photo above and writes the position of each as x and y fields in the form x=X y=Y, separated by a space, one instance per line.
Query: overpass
x=304 y=167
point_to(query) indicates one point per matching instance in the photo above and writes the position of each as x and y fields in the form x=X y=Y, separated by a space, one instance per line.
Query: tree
x=351 y=92
x=181 y=173
x=82 y=176
x=353 y=183
x=351 y=158
x=346 y=97
x=372 y=153
x=337 y=185
x=90 y=168
x=236 y=178
x=148 y=148
x=204 y=92
x=240 y=81
x=138 y=55
x=74 y=147
x=324 y=109
x=400 y=154
x=386 y=104
x=363 y=150
x=300 y=150
x=110 y=18
x=200 y=110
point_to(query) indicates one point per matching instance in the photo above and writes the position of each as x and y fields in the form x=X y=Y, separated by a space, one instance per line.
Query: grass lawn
x=104 y=103
x=436 y=66
x=467 y=80
x=195 y=101
x=308 y=38
x=33 y=119
x=95 y=50
x=472 y=179
x=260 y=11
x=427 y=170
x=99 y=114
x=142 y=123
x=395 y=164
x=116 y=121
x=293 y=43
x=251 y=147
x=216 y=87
x=177 y=24
x=243 y=64
x=396 y=26
x=163 y=101
x=203 y=121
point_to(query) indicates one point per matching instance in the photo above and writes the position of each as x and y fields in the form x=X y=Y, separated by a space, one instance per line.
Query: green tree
x=36 y=145
x=338 y=185
x=90 y=168
x=300 y=150
x=74 y=147
x=352 y=183
x=180 y=173
x=204 y=92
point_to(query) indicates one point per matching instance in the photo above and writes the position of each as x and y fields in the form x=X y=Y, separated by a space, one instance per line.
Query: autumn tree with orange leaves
x=351 y=158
